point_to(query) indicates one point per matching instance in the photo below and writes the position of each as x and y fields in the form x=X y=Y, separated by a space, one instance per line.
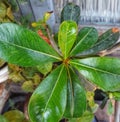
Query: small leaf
x=71 y=12
x=48 y=102
x=46 y=16
x=23 y=47
x=14 y=116
x=102 y=71
x=28 y=86
x=29 y=72
x=16 y=77
x=36 y=79
x=67 y=36
x=76 y=98
x=3 y=119
x=45 y=68
x=87 y=117
x=116 y=95
x=86 y=37
x=105 y=41
x=3 y=10
x=110 y=108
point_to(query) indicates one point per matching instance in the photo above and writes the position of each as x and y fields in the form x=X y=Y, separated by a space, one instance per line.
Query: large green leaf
x=48 y=102
x=24 y=47
x=86 y=37
x=102 y=71
x=105 y=41
x=67 y=36
x=71 y=12
x=76 y=98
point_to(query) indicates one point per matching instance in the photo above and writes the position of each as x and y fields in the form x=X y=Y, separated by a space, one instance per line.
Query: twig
x=52 y=41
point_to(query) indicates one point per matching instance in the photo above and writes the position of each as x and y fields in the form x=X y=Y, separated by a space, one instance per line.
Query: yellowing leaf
x=14 y=116
x=28 y=86
x=45 y=68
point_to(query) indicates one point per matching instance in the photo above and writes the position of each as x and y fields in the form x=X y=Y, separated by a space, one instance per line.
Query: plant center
x=66 y=61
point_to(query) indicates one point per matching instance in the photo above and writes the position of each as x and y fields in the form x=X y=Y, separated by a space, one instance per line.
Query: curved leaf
x=45 y=68
x=76 y=98
x=67 y=36
x=24 y=47
x=102 y=71
x=105 y=41
x=48 y=102
x=71 y=12
x=14 y=116
x=86 y=37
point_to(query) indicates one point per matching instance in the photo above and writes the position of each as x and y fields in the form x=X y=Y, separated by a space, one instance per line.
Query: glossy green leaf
x=71 y=12
x=105 y=41
x=105 y=35
x=67 y=36
x=23 y=47
x=86 y=37
x=14 y=116
x=3 y=119
x=48 y=102
x=76 y=97
x=102 y=71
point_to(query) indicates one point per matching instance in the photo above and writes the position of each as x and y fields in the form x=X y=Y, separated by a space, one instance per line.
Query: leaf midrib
x=39 y=52
x=72 y=99
x=101 y=42
x=66 y=42
x=53 y=89
x=95 y=69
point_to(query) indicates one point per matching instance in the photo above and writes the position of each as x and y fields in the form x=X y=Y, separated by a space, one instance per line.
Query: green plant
x=62 y=94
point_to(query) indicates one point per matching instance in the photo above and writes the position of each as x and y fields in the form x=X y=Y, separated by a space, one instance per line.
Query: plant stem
x=52 y=41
